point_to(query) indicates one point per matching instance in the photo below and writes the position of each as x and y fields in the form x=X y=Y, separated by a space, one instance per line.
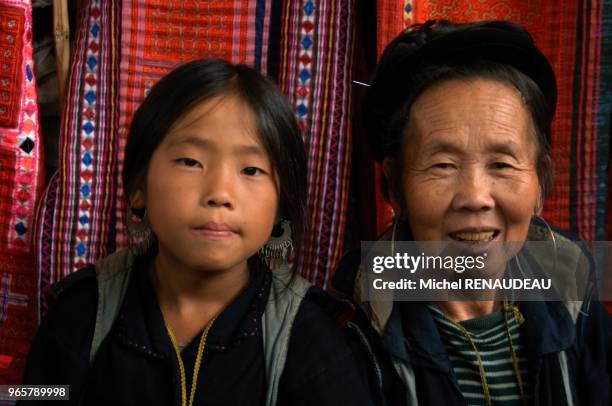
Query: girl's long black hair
x=201 y=80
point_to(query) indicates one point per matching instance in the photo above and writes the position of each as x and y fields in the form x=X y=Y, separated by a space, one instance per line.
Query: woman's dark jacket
x=411 y=336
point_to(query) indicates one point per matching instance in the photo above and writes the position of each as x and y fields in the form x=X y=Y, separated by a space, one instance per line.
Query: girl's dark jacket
x=327 y=362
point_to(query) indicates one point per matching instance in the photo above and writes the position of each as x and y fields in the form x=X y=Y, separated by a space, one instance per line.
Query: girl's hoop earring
x=140 y=235
x=278 y=251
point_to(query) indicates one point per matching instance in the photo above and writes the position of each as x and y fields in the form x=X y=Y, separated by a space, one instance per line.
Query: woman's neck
x=462 y=310
x=190 y=298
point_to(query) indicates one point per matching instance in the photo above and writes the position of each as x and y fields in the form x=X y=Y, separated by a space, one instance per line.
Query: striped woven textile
x=124 y=47
x=576 y=36
x=315 y=71
x=21 y=177
x=83 y=189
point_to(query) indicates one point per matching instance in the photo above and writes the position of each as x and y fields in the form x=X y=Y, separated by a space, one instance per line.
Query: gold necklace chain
x=196 y=367
x=519 y=319
x=483 y=377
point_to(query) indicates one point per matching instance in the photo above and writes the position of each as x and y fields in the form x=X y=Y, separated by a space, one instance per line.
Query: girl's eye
x=252 y=171
x=189 y=162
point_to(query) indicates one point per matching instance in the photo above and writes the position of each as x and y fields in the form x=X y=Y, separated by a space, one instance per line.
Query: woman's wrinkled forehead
x=481 y=108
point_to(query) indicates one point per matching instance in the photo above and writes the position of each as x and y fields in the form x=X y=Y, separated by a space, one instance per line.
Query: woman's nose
x=473 y=191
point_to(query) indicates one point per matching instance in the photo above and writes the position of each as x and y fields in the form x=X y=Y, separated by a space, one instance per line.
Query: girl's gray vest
x=113 y=275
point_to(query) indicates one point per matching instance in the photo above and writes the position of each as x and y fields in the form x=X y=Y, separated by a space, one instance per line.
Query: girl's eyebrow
x=253 y=149
x=191 y=140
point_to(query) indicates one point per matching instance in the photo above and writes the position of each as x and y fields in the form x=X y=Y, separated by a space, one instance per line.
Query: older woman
x=460 y=118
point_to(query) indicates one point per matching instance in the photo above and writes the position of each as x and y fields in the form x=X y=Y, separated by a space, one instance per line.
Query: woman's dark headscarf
x=439 y=50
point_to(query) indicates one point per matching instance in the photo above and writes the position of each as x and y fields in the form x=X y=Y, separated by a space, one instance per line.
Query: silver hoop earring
x=552 y=237
x=393 y=236
x=140 y=235
x=278 y=251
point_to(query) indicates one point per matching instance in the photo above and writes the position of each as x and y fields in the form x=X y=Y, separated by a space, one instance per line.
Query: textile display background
x=576 y=36
x=21 y=177
x=124 y=47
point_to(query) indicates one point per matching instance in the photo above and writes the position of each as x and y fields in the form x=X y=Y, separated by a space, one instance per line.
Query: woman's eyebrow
x=437 y=145
x=507 y=147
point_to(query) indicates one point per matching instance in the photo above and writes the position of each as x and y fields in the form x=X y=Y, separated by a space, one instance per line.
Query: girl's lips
x=216 y=231
x=215 y=234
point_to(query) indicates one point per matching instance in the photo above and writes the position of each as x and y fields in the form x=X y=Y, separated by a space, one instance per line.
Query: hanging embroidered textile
x=124 y=47
x=21 y=174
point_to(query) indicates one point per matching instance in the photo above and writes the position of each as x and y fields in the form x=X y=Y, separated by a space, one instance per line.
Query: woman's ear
x=389 y=167
x=539 y=205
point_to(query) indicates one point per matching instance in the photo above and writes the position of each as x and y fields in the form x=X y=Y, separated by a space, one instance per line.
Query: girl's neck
x=179 y=283
x=190 y=298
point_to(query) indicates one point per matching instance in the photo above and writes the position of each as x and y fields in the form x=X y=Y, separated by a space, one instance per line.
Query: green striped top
x=490 y=338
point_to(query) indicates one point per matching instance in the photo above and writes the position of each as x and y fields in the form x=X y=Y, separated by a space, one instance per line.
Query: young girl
x=191 y=314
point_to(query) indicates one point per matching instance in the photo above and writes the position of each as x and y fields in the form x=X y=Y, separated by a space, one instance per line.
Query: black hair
x=177 y=93
x=405 y=72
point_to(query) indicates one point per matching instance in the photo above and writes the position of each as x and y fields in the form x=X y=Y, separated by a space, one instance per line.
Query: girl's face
x=211 y=194
x=468 y=170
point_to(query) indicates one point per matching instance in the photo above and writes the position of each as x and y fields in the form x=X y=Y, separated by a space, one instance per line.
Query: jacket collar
x=548 y=327
x=140 y=324
x=409 y=332
x=411 y=335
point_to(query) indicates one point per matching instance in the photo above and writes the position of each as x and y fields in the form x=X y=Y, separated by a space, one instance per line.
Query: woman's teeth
x=482 y=236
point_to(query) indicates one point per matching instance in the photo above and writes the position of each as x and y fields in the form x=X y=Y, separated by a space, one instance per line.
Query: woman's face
x=468 y=164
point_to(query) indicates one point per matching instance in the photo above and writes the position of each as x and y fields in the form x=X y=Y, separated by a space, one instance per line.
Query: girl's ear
x=388 y=166
x=137 y=199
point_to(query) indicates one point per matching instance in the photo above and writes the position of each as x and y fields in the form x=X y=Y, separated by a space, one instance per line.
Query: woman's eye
x=252 y=171
x=443 y=165
x=189 y=162
x=501 y=165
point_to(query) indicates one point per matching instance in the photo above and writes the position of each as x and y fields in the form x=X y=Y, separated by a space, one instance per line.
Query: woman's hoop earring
x=278 y=250
x=393 y=236
x=552 y=237
x=140 y=235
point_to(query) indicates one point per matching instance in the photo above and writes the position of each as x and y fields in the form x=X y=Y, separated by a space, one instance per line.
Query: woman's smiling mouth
x=474 y=235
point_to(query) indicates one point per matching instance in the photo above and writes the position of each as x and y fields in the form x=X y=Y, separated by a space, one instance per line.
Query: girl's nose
x=218 y=189
x=473 y=191
x=220 y=201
